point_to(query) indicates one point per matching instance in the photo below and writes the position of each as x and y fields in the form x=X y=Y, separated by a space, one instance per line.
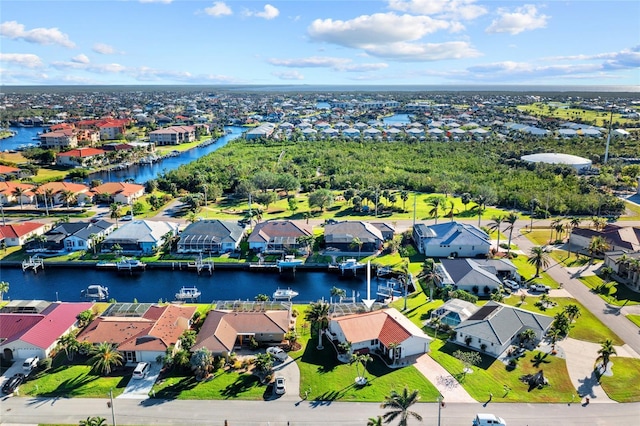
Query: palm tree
x=480 y=207
x=69 y=344
x=318 y=314
x=105 y=356
x=598 y=222
x=399 y=405
x=494 y=225
x=93 y=421
x=574 y=222
x=527 y=336
x=538 y=258
x=4 y=288
x=338 y=292
x=201 y=362
x=114 y=210
x=559 y=228
x=356 y=242
x=451 y=210
x=67 y=197
x=434 y=203
x=48 y=193
x=572 y=311
x=554 y=334
x=404 y=278
x=554 y=227
x=374 y=421
x=598 y=244
x=605 y=351
x=18 y=192
x=360 y=359
x=511 y=219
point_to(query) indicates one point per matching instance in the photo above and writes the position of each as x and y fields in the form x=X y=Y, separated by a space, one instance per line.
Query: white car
x=277 y=353
x=30 y=363
x=141 y=370
x=511 y=285
x=483 y=419
x=280 y=388
x=540 y=287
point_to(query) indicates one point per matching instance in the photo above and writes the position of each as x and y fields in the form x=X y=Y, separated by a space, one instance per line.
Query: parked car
x=511 y=285
x=141 y=370
x=30 y=363
x=540 y=287
x=483 y=419
x=12 y=383
x=277 y=353
x=280 y=387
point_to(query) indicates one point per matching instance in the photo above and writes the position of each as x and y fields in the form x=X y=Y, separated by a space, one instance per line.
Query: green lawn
x=527 y=271
x=634 y=319
x=622 y=386
x=224 y=385
x=418 y=307
x=491 y=376
x=633 y=210
x=587 y=327
x=619 y=295
x=64 y=380
x=571 y=260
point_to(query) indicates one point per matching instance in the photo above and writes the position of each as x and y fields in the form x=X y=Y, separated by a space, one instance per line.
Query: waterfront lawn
x=634 y=319
x=619 y=387
x=491 y=376
x=224 y=384
x=418 y=308
x=618 y=295
x=64 y=379
x=586 y=327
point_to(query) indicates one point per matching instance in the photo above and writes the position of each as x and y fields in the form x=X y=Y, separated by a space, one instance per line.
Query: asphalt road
x=306 y=413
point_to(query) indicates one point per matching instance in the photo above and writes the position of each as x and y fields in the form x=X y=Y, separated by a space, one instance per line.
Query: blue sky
x=364 y=42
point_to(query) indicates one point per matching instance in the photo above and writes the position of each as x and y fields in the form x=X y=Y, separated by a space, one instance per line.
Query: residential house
x=343 y=236
x=454 y=311
x=619 y=238
x=224 y=331
x=451 y=239
x=26 y=333
x=141 y=332
x=17 y=234
x=278 y=236
x=60 y=139
x=262 y=131
x=81 y=157
x=78 y=192
x=387 y=230
x=140 y=237
x=501 y=267
x=626 y=267
x=468 y=275
x=173 y=135
x=8 y=172
x=386 y=332
x=495 y=327
x=113 y=128
x=120 y=192
x=72 y=236
x=210 y=236
x=8 y=191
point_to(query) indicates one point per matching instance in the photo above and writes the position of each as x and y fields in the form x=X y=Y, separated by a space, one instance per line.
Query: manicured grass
x=539 y=237
x=64 y=380
x=619 y=295
x=223 y=385
x=418 y=307
x=634 y=319
x=527 y=271
x=633 y=210
x=587 y=327
x=491 y=376
x=571 y=260
x=623 y=385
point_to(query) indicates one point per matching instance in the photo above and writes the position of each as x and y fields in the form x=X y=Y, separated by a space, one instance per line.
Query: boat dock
x=33 y=263
x=201 y=265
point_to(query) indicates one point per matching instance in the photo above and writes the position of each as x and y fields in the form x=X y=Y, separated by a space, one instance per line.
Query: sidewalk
x=448 y=386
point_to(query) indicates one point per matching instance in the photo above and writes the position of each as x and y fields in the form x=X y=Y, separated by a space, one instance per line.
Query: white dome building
x=574 y=161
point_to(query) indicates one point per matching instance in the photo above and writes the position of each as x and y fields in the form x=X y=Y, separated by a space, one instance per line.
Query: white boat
x=289 y=261
x=125 y=264
x=351 y=265
x=188 y=293
x=284 y=294
x=95 y=292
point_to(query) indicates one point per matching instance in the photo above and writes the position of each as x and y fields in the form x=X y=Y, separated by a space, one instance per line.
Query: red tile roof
x=82 y=152
x=18 y=230
x=7 y=169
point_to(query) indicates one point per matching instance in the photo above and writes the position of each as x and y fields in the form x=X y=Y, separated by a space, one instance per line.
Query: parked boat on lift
x=188 y=293
x=284 y=294
x=289 y=261
x=95 y=292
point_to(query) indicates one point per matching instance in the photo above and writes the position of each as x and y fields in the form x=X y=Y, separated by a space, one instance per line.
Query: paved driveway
x=140 y=388
x=291 y=373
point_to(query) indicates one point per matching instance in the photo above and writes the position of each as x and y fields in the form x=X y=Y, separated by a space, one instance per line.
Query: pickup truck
x=540 y=287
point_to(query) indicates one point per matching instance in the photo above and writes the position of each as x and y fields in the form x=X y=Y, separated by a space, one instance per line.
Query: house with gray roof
x=495 y=327
x=210 y=236
x=454 y=311
x=341 y=236
x=71 y=236
x=140 y=237
x=468 y=275
x=451 y=239
x=278 y=236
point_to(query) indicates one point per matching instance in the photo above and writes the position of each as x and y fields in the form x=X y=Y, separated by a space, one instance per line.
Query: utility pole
x=415 y=197
x=2 y=209
x=606 y=150
x=113 y=414
x=440 y=405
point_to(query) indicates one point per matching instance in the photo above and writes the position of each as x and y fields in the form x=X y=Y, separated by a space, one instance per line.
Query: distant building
x=61 y=139
x=451 y=239
x=574 y=161
x=174 y=135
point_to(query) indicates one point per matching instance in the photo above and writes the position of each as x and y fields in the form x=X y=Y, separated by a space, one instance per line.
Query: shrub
x=45 y=364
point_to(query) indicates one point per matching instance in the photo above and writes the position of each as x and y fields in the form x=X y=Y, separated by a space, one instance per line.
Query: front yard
x=623 y=385
x=224 y=384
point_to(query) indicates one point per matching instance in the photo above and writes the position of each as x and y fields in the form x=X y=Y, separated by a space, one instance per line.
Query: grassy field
x=566 y=112
x=587 y=327
x=634 y=319
x=418 y=307
x=528 y=271
x=491 y=376
x=223 y=385
x=619 y=294
x=622 y=386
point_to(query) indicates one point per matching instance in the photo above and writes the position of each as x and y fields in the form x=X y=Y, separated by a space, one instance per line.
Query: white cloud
x=269 y=12
x=81 y=59
x=454 y=9
x=338 y=64
x=418 y=52
x=289 y=75
x=95 y=68
x=103 y=49
x=525 y=18
x=16 y=31
x=26 y=60
x=219 y=8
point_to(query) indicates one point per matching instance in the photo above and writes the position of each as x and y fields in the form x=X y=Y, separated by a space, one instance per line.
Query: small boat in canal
x=95 y=292
x=284 y=294
x=188 y=293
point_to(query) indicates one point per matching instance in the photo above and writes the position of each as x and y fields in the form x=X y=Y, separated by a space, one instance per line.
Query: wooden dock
x=33 y=263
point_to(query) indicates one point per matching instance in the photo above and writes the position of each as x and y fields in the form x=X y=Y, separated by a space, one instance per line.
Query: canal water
x=66 y=284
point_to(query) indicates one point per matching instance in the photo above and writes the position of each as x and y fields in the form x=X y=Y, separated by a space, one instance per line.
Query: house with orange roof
x=8 y=172
x=113 y=128
x=81 y=157
x=224 y=331
x=16 y=234
x=63 y=139
x=120 y=192
x=28 y=334
x=8 y=193
x=141 y=332
x=173 y=135
x=385 y=332
x=81 y=193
